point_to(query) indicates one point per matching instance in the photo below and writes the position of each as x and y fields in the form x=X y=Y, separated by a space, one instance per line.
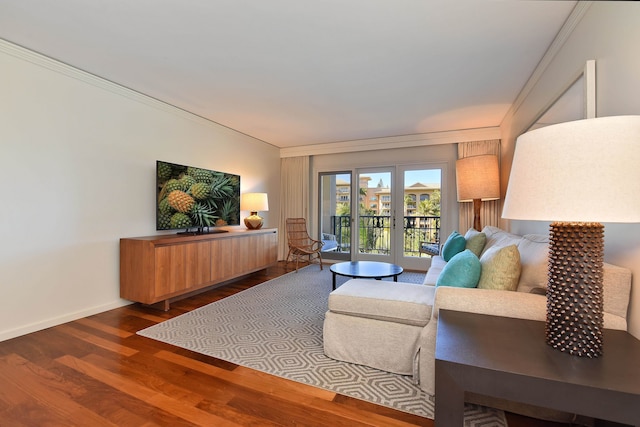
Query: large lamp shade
x=478 y=180
x=585 y=170
x=577 y=175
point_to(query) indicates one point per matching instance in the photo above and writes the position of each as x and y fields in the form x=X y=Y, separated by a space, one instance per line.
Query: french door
x=381 y=213
x=335 y=215
x=419 y=208
x=375 y=215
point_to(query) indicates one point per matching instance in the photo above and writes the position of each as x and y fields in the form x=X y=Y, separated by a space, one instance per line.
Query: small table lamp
x=254 y=202
x=575 y=174
x=477 y=180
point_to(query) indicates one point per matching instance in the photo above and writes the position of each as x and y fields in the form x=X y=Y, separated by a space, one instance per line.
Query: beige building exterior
x=378 y=199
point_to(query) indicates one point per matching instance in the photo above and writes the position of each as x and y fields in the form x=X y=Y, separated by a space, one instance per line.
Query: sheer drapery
x=294 y=195
x=490 y=210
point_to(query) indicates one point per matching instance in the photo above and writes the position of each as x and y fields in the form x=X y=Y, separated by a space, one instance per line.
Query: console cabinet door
x=267 y=249
x=222 y=259
x=254 y=252
x=245 y=258
x=181 y=267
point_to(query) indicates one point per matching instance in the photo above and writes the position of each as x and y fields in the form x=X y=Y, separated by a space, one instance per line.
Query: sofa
x=392 y=326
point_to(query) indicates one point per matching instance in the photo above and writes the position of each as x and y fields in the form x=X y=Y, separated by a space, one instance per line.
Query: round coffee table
x=365 y=270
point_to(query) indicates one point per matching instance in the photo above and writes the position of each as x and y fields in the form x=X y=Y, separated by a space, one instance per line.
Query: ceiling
x=292 y=72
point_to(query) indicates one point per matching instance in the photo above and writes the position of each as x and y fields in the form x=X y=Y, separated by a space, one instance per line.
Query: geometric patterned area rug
x=276 y=327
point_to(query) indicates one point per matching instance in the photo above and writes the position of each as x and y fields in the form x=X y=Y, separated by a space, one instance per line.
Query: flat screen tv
x=194 y=199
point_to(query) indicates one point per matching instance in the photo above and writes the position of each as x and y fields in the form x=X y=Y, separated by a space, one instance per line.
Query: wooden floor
x=97 y=372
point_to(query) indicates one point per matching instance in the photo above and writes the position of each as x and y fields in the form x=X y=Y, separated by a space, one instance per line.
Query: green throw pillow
x=475 y=241
x=500 y=268
x=462 y=271
x=454 y=245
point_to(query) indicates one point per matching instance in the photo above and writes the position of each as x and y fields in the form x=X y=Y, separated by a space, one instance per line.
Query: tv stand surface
x=158 y=268
x=202 y=231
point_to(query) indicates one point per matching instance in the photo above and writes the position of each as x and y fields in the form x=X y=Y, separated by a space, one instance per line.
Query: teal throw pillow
x=454 y=245
x=462 y=271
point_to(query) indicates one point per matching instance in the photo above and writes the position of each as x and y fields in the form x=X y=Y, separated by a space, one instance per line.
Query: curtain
x=294 y=196
x=490 y=210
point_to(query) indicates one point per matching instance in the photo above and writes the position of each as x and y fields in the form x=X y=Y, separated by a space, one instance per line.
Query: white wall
x=78 y=165
x=609 y=33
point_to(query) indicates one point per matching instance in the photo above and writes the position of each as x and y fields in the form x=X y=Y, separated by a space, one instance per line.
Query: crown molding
x=393 y=142
x=54 y=65
x=561 y=38
x=86 y=77
x=415 y=140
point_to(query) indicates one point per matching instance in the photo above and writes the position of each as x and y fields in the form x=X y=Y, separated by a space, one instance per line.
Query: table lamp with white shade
x=576 y=174
x=254 y=203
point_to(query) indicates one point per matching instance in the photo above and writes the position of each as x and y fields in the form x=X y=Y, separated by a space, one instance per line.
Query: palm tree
x=431 y=206
x=343 y=209
x=409 y=200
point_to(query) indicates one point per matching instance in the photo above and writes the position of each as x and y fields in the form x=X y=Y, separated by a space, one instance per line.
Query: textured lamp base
x=575 y=295
x=253 y=221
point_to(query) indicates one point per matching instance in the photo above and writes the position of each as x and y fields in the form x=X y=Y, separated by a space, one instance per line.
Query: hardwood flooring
x=97 y=372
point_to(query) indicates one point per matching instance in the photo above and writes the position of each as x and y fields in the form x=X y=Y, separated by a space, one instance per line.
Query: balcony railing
x=375 y=236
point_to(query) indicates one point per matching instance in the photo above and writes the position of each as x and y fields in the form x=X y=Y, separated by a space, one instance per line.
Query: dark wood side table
x=365 y=270
x=509 y=358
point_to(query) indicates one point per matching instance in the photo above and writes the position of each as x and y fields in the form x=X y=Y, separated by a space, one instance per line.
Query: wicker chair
x=301 y=245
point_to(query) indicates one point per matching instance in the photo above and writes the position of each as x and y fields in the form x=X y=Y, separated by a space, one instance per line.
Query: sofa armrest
x=488 y=301
x=519 y=305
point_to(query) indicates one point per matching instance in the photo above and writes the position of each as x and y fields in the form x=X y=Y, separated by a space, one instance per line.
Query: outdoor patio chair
x=429 y=248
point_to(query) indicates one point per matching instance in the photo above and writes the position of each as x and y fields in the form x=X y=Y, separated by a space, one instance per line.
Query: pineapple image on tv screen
x=195 y=198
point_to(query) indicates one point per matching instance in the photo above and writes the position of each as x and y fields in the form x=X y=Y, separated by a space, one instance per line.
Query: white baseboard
x=48 y=323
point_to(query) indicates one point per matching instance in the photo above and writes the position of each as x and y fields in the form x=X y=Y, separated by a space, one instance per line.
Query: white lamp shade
x=478 y=177
x=254 y=202
x=580 y=171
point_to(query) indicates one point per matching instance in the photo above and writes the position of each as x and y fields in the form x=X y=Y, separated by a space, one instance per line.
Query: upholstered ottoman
x=377 y=323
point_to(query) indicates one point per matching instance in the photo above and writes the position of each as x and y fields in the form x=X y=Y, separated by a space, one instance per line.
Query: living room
x=82 y=152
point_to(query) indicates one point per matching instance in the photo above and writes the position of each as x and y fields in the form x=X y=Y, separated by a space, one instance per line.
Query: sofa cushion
x=437 y=264
x=462 y=271
x=500 y=268
x=499 y=238
x=534 y=259
x=475 y=241
x=455 y=244
x=398 y=302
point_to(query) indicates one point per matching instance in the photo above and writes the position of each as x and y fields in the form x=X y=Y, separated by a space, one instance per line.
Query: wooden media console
x=156 y=269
